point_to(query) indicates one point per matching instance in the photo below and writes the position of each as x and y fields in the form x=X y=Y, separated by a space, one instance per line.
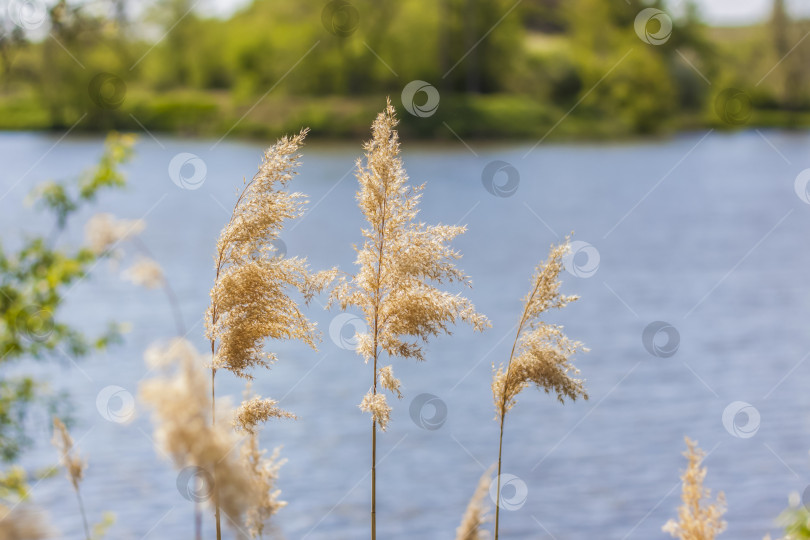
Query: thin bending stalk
x=503 y=407
x=84 y=515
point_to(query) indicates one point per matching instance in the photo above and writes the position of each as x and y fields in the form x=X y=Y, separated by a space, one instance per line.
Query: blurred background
x=502 y=68
x=671 y=137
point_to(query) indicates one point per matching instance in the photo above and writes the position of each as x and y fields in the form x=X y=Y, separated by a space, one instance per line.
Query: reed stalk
x=399 y=265
x=541 y=354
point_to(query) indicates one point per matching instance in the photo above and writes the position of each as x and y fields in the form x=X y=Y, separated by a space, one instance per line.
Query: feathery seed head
x=378 y=406
x=249 y=300
x=145 y=273
x=256 y=410
x=388 y=381
x=542 y=353
x=400 y=264
x=264 y=472
x=698 y=519
x=68 y=457
x=103 y=231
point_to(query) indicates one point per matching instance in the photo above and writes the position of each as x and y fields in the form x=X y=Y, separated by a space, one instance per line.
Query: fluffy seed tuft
x=400 y=264
x=68 y=457
x=697 y=518
x=542 y=353
x=378 y=406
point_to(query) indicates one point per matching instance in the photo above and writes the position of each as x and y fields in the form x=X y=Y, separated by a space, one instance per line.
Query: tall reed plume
x=249 y=299
x=698 y=519
x=399 y=262
x=541 y=353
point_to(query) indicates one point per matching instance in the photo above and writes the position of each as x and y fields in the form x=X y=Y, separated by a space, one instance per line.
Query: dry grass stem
x=250 y=299
x=400 y=265
x=541 y=353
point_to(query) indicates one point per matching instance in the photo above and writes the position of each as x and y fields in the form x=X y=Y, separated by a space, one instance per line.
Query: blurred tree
x=178 y=22
x=377 y=20
x=33 y=280
x=792 y=69
x=120 y=14
x=64 y=79
x=82 y=57
x=12 y=38
x=622 y=77
x=545 y=54
x=544 y=15
x=485 y=42
x=691 y=57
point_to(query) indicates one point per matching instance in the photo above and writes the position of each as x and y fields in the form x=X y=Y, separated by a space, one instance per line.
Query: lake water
x=702 y=231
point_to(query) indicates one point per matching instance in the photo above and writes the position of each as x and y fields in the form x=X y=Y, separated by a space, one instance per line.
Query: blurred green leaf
x=33 y=281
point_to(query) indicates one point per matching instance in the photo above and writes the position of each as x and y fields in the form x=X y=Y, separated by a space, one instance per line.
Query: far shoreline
x=485 y=119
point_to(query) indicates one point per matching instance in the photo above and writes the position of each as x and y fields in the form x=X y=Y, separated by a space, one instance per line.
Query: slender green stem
x=221 y=261
x=197 y=521
x=377 y=300
x=498 y=500
x=214 y=472
x=374 y=447
x=502 y=410
x=374 y=480
x=84 y=515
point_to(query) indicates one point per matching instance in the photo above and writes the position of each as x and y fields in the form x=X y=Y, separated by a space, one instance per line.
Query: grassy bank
x=213 y=114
